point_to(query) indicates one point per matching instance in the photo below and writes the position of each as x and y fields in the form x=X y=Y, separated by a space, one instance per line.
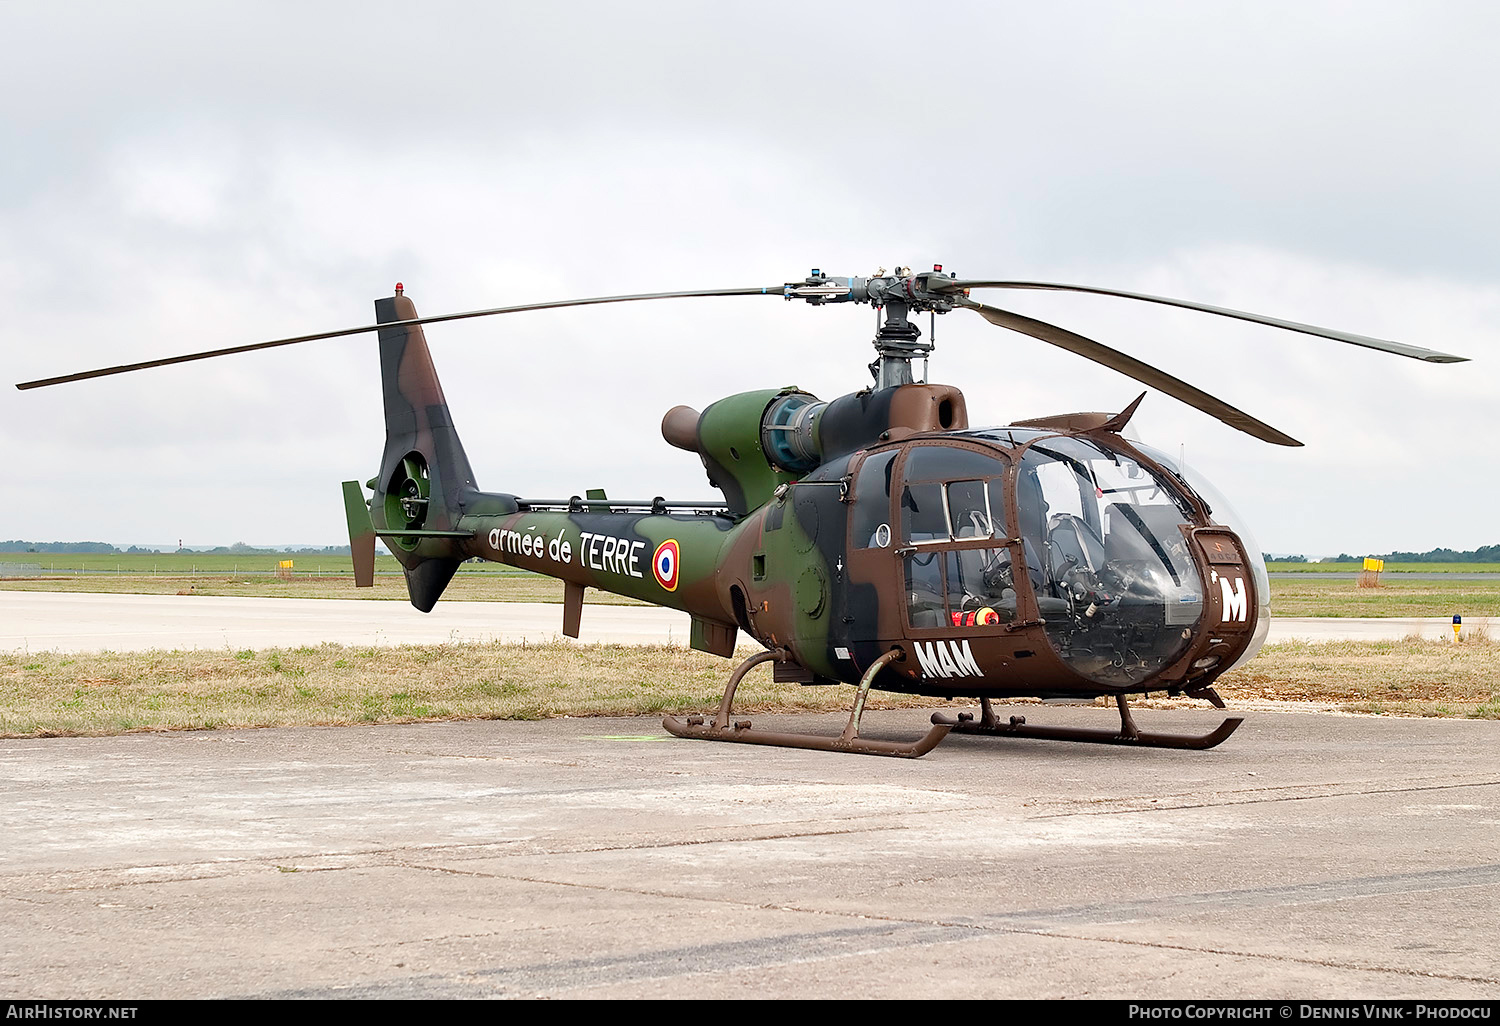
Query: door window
x=953 y=499
x=870 y=520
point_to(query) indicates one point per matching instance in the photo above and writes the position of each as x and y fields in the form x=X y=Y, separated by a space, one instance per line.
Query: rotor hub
x=897 y=341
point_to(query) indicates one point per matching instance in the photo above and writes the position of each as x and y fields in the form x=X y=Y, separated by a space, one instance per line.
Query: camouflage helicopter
x=875 y=539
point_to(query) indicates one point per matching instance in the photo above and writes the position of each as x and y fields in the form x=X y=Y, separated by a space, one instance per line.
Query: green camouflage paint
x=780 y=561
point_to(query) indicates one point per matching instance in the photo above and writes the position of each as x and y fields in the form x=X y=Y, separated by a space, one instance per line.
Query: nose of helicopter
x=1129 y=581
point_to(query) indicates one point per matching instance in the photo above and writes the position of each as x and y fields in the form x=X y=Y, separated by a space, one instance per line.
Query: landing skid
x=989 y=724
x=724 y=729
x=740 y=731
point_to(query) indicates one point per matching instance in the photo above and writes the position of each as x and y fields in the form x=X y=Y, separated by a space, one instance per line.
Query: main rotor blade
x=774 y=290
x=1384 y=345
x=1129 y=365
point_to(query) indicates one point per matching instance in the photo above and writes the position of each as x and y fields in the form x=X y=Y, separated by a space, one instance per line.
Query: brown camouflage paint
x=779 y=564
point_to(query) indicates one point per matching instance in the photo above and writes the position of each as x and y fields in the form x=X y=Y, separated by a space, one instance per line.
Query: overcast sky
x=179 y=176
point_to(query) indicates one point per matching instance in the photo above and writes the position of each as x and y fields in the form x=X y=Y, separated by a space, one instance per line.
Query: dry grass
x=54 y=694
x=1411 y=677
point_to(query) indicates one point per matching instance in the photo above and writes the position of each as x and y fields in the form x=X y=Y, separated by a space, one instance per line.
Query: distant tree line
x=26 y=546
x=237 y=548
x=241 y=549
x=1483 y=554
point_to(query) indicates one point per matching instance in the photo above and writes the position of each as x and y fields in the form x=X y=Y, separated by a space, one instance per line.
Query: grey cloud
x=177 y=176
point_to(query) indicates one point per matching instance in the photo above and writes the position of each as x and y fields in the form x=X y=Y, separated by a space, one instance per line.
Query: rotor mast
x=897 y=343
x=895 y=297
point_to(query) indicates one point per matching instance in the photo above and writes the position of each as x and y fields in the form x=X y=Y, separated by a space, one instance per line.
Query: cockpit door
x=955 y=553
x=869 y=613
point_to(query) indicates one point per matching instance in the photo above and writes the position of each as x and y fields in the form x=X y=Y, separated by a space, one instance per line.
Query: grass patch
x=107 y=693
x=469 y=585
x=179 y=563
x=1390 y=568
x=1410 y=677
x=1315 y=595
x=50 y=694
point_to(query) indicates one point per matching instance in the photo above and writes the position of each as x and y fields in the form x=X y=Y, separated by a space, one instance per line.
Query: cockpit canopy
x=1118 y=587
x=1094 y=535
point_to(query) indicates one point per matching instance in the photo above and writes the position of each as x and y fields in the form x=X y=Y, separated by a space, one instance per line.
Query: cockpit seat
x=1072 y=542
x=1149 y=534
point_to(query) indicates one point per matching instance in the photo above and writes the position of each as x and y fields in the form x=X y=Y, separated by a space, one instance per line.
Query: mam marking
x=947 y=659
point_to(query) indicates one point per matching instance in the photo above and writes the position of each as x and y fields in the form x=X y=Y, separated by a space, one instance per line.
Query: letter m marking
x=931 y=667
x=1236 y=605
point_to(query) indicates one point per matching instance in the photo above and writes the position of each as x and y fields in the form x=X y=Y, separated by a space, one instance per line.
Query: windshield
x=1223 y=513
x=1103 y=542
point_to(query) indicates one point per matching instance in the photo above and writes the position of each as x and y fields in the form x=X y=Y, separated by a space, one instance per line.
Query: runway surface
x=1320 y=856
x=78 y=622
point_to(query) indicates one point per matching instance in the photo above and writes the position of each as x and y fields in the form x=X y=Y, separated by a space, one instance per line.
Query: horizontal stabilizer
x=361 y=535
x=572 y=608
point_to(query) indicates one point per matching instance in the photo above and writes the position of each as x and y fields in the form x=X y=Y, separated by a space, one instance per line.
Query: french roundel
x=664 y=564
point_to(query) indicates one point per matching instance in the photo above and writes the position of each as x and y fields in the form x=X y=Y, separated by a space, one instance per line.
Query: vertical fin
x=416 y=415
x=423 y=461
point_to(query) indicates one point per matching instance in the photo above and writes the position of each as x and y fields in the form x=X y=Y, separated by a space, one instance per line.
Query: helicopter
x=876 y=539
